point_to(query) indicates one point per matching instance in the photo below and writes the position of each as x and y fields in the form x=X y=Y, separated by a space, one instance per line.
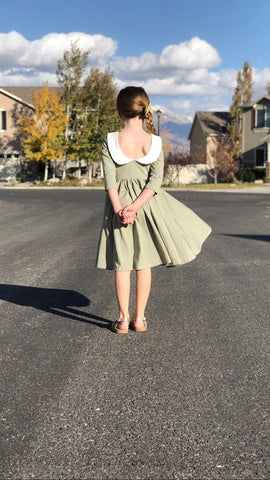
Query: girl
x=143 y=226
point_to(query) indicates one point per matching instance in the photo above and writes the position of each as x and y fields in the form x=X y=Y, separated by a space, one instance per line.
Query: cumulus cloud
x=187 y=74
x=190 y=55
x=42 y=54
x=195 y=53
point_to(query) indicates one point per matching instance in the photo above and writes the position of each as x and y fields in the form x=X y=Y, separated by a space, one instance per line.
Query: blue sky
x=186 y=54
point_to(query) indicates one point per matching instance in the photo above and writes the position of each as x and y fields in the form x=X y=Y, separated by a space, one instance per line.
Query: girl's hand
x=125 y=217
x=129 y=210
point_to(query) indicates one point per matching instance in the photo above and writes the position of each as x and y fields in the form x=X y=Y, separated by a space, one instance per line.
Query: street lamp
x=158 y=112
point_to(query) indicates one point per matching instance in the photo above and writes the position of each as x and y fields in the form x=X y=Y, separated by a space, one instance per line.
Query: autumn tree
x=166 y=141
x=242 y=96
x=224 y=162
x=44 y=130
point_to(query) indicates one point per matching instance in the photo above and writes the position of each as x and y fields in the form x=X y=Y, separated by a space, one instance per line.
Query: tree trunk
x=46 y=171
x=80 y=170
x=90 y=169
x=54 y=168
x=64 y=174
x=215 y=177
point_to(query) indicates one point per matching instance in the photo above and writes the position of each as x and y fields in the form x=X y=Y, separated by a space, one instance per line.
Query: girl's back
x=134 y=144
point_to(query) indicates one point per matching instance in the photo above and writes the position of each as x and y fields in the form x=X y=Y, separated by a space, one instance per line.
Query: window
x=3 y=120
x=262 y=118
x=260 y=157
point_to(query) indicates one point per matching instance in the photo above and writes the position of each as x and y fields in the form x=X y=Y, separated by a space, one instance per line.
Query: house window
x=260 y=157
x=262 y=118
x=3 y=120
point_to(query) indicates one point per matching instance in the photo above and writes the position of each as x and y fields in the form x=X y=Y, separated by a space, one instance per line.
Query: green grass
x=68 y=182
x=75 y=182
x=211 y=186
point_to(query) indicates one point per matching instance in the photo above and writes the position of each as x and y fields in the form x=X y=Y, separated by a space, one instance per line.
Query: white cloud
x=260 y=81
x=181 y=73
x=193 y=54
x=43 y=54
x=170 y=115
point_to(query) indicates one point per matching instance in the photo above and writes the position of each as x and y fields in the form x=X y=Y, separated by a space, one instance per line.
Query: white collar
x=120 y=158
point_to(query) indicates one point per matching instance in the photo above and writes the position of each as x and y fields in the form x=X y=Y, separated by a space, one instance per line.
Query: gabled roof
x=212 y=123
x=25 y=94
x=251 y=104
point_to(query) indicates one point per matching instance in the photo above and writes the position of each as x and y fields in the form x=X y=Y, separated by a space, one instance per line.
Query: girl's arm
x=110 y=181
x=115 y=200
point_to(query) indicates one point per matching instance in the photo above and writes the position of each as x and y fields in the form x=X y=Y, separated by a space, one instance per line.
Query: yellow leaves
x=43 y=129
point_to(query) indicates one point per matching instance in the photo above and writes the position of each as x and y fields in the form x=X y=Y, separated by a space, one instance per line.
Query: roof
x=258 y=100
x=212 y=123
x=25 y=94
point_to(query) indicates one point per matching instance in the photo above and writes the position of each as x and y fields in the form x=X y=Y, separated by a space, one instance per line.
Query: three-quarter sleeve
x=156 y=173
x=109 y=167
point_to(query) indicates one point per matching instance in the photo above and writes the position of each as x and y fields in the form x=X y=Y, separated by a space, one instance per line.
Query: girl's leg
x=143 y=286
x=122 y=285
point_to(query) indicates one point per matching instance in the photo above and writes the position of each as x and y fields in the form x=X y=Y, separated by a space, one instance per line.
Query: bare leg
x=122 y=285
x=143 y=287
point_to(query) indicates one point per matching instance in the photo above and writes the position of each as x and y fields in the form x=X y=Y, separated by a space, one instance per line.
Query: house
x=206 y=130
x=256 y=133
x=14 y=101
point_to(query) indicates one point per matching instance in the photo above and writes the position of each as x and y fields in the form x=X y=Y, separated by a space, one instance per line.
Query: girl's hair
x=133 y=101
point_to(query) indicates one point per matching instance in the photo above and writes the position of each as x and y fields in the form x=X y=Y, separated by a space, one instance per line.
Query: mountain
x=178 y=132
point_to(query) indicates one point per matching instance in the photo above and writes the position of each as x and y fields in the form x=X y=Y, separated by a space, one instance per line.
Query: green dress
x=165 y=231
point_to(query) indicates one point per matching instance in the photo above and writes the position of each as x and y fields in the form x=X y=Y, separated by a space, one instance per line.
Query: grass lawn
x=211 y=186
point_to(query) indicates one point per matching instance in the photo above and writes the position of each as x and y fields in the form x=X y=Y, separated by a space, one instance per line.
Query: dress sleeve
x=156 y=173
x=109 y=167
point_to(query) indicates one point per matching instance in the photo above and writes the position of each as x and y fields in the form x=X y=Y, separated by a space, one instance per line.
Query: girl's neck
x=132 y=124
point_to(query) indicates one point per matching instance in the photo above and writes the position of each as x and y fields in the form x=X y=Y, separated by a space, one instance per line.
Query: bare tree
x=225 y=163
x=242 y=96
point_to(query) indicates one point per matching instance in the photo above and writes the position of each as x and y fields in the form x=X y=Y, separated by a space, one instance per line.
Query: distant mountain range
x=178 y=132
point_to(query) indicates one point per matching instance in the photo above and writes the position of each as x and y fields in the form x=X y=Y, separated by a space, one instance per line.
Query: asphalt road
x=187 y=400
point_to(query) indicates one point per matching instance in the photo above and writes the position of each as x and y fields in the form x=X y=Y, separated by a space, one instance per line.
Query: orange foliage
x=44 y=130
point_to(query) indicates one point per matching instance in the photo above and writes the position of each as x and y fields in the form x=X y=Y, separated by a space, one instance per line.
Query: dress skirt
x=165 y=232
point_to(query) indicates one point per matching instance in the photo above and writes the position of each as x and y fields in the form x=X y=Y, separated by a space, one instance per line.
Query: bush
x=246 y=174
x=260 y=173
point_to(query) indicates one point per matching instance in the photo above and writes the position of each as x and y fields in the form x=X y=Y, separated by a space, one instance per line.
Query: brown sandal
x=139 y=329
x=117 y=323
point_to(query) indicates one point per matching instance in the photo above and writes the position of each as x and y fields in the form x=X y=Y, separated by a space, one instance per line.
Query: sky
x=186 y=54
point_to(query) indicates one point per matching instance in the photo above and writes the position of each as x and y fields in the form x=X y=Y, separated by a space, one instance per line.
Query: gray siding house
x=256 y=132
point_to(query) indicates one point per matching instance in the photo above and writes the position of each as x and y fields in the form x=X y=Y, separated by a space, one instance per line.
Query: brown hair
x=133 y=101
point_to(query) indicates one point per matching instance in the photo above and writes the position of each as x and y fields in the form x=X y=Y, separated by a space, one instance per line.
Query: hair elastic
x=148 y=109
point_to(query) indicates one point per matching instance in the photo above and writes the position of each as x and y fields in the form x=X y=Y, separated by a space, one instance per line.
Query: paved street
x=187 y=400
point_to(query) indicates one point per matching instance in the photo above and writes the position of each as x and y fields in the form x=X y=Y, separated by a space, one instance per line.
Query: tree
x=90 y=105
x=247 y=84
x=224 y=162
x=99 y=102
x=166 y=141
x=242 y=96
x=70 y=72
x=44 y=130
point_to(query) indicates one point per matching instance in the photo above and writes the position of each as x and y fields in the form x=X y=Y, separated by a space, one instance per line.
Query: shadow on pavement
x=263 y=238
x=52 y=300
